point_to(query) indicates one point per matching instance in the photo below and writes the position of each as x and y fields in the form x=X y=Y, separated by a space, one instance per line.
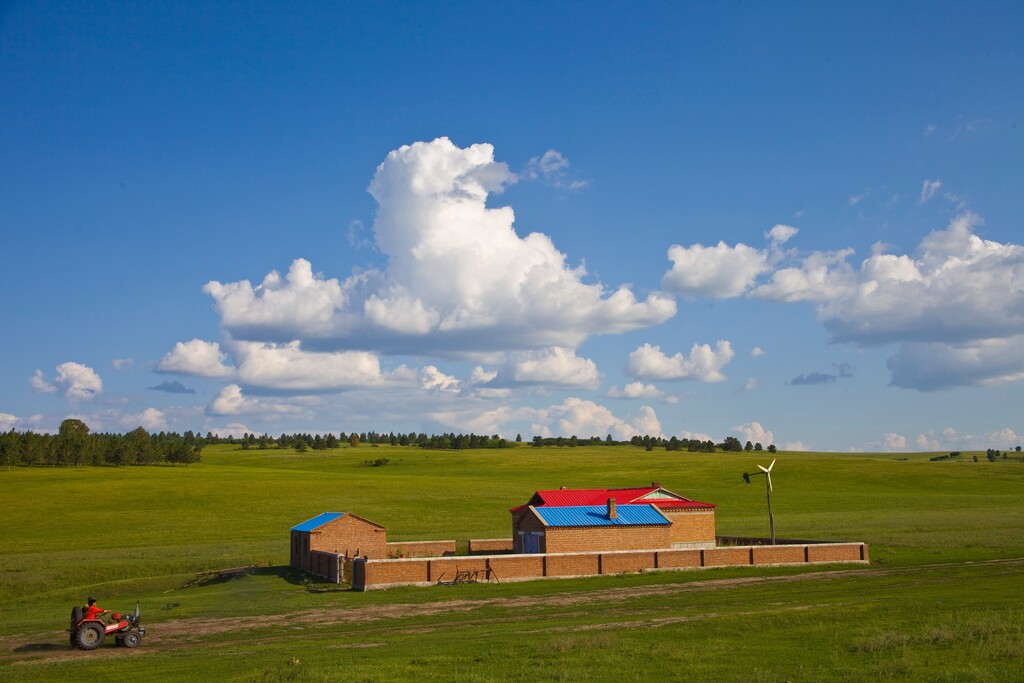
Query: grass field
x=941 y=601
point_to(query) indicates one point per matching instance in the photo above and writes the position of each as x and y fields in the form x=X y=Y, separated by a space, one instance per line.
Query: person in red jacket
x=92 y=610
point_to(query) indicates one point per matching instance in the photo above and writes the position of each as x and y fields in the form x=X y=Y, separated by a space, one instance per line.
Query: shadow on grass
x=41 y=647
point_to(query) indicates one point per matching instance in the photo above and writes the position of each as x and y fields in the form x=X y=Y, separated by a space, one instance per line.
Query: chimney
x=656 y=484
x=612 y=514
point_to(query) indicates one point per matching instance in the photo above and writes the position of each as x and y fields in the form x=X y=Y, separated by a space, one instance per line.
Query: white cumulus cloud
x=290 y=367
x=150 y=419
x=720 y=271
x=586 y=418
x=196 y=357
x=704 y=364
x=557 y=366
x=231 y=401
x=76 y=381
x=635 y=390
x=7 y=422
x=755 y=433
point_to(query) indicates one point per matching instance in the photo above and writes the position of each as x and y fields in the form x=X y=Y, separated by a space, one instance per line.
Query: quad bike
x=88 y=634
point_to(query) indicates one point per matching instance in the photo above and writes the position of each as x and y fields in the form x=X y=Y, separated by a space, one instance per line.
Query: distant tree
x=353 y=440
x=1018 y=449
x=72 y=441
x=519 y=439
x=771 y=448
x=748 y=447
x=301 y=446
x=757 y=446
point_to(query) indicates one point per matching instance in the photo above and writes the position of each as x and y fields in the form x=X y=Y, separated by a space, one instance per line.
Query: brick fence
x=373 y=574
x=421 y=548
x=484 y=546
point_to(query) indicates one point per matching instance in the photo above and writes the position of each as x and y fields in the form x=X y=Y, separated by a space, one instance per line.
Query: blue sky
x=792 y=223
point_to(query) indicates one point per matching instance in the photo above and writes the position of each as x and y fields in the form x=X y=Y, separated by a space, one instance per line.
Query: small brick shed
x=340 y=533
x=641 y=518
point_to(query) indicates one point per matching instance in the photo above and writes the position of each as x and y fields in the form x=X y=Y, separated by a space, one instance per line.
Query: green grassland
x=940 y=602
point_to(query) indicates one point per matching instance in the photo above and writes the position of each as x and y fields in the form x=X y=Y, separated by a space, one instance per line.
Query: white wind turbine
x=767 y=472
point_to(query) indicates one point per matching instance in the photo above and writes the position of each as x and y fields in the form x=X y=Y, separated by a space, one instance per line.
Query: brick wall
x=420 y=548
x=392 y=571
x=592 y=539
x=679 y=559
x=516 y=567
x=720 y=557
x=350 y=535
x=617 y=563
x=837 y=552
x=780 y=554
x=370 y=574
x=691 y=526
x=482 y=546
x=579 y=564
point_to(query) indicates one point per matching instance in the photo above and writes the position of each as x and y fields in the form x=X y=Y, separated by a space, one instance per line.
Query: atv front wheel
x=90 y=636
x=131 y=639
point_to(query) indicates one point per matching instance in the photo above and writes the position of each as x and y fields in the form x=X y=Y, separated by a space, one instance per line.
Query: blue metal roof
x=597 y=515
x=317 y=521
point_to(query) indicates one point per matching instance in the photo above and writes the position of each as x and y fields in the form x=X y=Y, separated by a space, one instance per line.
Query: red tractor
x=88 y=634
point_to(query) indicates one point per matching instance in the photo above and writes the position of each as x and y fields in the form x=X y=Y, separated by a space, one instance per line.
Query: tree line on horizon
x=75 y=446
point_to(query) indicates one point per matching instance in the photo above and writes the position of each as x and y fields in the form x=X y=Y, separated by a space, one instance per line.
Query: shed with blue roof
x=336 y=533
x=590 y=528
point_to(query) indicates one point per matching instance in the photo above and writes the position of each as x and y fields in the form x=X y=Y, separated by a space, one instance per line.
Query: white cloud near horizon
x=755 y=433
x=704 y=364
x=232 y=401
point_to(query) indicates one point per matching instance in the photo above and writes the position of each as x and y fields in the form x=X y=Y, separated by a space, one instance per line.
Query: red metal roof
x=623 y=496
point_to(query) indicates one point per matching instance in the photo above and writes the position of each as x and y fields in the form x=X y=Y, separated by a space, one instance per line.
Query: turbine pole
x=771 y=518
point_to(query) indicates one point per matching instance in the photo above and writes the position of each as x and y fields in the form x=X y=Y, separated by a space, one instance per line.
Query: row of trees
x=74 y=446
x=651 y=442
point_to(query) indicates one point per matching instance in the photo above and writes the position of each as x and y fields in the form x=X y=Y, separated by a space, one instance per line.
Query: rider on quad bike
x=88 y=630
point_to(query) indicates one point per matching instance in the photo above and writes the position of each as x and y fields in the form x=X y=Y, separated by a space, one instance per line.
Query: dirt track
x=178 y=633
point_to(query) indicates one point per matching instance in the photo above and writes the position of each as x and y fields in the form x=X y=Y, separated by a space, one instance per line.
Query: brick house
x=574 y=520
x=338 y=533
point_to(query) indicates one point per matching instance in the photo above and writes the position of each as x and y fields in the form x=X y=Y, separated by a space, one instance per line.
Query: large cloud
x=458 y=277
x=704 y=363
x=956 y=305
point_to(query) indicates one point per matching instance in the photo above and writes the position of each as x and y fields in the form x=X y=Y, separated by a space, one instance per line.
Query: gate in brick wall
x=328 y=566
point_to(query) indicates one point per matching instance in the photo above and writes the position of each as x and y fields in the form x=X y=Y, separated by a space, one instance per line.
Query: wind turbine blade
x=767 y=474
x=760 y=467
x=771 y=466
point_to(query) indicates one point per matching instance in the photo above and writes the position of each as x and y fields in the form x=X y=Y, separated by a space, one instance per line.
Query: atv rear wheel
x=90 y=636
x=131 y=639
